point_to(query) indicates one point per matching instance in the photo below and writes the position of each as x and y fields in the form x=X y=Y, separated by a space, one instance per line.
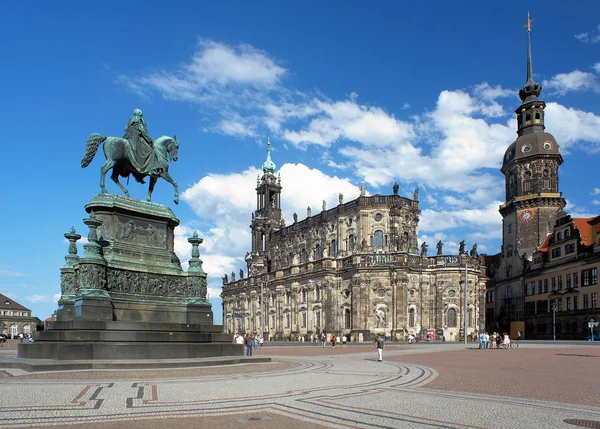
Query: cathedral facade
x=355 y=269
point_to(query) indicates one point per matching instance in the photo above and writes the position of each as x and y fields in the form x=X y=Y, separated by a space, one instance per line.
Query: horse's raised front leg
x=115 y=177
x=151 y=187
x=169 y=179
x=103 y=170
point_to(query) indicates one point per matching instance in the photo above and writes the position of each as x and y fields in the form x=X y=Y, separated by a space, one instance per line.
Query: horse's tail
x=91 y=147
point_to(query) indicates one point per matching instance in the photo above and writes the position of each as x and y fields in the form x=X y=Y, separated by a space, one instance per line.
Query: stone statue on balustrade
x=473 y=252
x=439 y=247
x=461 y=247
x=424 y=249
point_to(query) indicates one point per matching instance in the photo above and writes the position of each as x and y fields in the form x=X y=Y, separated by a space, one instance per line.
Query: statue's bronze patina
x=135 y=153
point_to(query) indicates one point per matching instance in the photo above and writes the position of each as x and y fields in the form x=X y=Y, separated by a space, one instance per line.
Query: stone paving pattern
x=417 y=386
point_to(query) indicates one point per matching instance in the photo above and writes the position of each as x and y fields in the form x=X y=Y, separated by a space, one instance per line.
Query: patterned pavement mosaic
x=416 y=386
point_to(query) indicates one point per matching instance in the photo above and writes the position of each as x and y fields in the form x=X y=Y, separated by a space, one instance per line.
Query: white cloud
x=596 y=191
x=570 y=125
x=596 y=67
x=10 y=273
x=34 y=299
x=589 y=36
x=576 y=80
x=487 y=217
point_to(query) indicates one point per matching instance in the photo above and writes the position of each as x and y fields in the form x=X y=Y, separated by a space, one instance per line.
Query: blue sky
x=350 y=94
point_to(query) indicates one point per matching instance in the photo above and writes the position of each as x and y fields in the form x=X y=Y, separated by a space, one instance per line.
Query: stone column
x=92 y=301
x=199 y=308
x=68 y=279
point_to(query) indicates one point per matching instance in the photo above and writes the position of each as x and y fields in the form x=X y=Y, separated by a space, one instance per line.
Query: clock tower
x=530 y=167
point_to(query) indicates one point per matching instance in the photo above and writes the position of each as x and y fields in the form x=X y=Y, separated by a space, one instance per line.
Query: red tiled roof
x=544 y=247
x=584 y=225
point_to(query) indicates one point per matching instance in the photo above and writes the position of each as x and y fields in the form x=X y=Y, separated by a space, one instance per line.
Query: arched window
x=509 y=271
x=318 y=292
x=509 y=292
x=287 y=297
x=303 y=314
x=411 y=318
x=350 y=242
x=378 y=238
x=347 y=318
x=470 y=318
x=451 y=318
x=318 y=254
x=287 y=320
x=304 y=295
x=334 y=248
x=303 y=256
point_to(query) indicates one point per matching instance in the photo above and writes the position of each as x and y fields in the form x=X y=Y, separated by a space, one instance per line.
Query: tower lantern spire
x=531 y=90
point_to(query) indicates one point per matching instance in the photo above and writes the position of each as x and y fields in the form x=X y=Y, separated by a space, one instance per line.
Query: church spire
x=531 y=90
x=268 y=166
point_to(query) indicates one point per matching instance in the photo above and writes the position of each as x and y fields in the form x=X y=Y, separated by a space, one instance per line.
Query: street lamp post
x=554 y=320
x=465 y=307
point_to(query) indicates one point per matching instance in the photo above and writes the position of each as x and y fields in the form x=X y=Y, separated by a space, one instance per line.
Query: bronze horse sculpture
x=118 y=158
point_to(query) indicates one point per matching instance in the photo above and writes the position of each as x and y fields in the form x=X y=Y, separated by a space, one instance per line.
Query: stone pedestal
x=127 y=297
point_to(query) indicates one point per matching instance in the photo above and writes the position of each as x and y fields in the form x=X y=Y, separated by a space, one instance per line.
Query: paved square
x=416 y=386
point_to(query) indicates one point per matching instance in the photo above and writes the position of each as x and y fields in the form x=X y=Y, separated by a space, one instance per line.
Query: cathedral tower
x=530 y=167
x=267 y=218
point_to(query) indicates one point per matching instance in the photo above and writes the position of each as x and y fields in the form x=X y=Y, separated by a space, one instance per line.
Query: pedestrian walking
x=379 y=344
x=333 y=341
x=344 y=339
x=324 y=340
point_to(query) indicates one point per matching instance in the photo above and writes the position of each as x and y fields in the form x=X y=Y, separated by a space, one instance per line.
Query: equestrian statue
x=135 y=153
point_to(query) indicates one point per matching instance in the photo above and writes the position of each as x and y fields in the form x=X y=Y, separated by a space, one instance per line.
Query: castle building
x=354 y=270
x=534 y=227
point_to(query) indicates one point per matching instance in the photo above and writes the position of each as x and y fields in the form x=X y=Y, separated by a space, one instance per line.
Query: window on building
x=378 y=238
x=318 y=293
x=304 y=295
x=556 y=252
x=546 y=185
x=559 y=283
x=575 y=303
x=287 y=320
x=350 y=242
x=567 y=233
x=586 y=301
x=509 y=292
x=318 y=318
x=509 y=271
x=569 y=303
x=568 y=284
x=509 y=251
x=347 y=318
x=527 y=187
x=528 y=289
x=304 y=319
x=470 y=318
x=451 y=318
x=558 y=236
x=411 y=318
x=318 y=253
x=594 y=300
x=545 y=285
x=569 y=248
x=575 y=279
x=334 y=248
x=287 y=298
x=553 y=284
x=509 y=228
x=540 y=288
x=589 y=277
x=303 y=256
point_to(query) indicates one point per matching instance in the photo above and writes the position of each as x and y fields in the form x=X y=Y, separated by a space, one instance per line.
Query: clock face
x=526 y=215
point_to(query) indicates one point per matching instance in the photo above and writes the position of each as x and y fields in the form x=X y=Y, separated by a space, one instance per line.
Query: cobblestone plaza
x=423 y=385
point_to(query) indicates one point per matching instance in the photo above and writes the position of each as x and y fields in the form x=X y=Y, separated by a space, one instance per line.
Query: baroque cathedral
x=544 y=281
x=355 y=269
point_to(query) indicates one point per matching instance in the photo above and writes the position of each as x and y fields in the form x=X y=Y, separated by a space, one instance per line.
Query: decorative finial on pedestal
x=92 y=249
x=72 y=257
x=195 y=263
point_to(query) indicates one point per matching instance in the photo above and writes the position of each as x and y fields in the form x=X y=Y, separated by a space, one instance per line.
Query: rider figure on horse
x=140 y=143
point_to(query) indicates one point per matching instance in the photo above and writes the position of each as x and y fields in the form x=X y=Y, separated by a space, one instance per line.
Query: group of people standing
x=250 y=340
x=334 y=340
x=493 y=340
